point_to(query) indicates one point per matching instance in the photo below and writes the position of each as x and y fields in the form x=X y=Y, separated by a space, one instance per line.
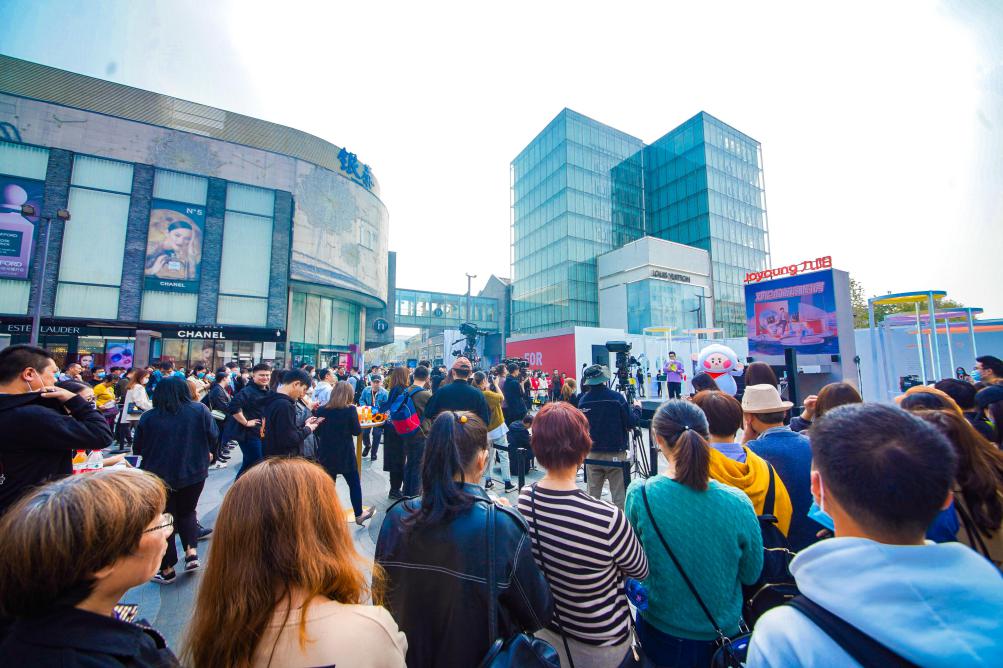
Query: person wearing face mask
x=197 y=384
x=39 y=436
x=988 y=370
x=137 y=400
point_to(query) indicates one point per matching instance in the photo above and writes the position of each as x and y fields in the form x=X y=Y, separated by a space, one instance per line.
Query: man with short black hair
x=883 y=475
x=988 y=369
x=515 y=401
x=787 y=451
x=459 y=395
x=322 y=392
x=282 y=438
x=245 y=409
x=610 y=418
x=40 y=425
x=73 y=371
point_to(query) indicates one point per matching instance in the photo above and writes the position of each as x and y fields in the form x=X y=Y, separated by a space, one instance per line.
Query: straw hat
x=763 y=399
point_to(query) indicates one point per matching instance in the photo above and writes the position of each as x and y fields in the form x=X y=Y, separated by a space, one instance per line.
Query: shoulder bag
x=730 y=652
x=864 y=649
x=521 y=650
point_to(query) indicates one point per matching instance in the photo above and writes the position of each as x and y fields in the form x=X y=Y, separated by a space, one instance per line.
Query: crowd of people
x=894 y=513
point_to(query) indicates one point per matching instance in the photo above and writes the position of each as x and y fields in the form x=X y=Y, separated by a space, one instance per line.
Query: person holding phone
x=41 y=423
x=282 y=438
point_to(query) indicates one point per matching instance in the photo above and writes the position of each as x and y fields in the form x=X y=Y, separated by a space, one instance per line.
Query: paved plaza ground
x=168 y=607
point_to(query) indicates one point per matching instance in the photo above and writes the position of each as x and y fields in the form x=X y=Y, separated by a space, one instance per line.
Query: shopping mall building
x=195 y=233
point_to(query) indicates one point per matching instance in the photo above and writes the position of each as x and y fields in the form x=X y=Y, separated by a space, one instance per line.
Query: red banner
x=546 y=353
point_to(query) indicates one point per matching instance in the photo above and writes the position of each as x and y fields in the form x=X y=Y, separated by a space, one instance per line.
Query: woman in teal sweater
x=713 y=532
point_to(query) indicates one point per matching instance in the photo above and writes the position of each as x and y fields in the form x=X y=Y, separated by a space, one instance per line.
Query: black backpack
x=776 y=585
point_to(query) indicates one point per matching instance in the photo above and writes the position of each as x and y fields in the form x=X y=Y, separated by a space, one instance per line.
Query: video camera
x=624 y=361
x=470 y=333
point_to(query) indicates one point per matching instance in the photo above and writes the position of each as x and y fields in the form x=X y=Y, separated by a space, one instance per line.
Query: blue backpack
x=402 y=413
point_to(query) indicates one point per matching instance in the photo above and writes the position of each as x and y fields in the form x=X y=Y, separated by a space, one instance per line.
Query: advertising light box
x=797 y=312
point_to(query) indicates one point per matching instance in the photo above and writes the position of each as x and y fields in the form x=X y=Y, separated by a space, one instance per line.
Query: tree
x=858 y=302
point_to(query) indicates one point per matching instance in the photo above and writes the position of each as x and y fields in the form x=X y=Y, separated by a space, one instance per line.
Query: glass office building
x=582 y=188
x=565 y=212
x=704 y=188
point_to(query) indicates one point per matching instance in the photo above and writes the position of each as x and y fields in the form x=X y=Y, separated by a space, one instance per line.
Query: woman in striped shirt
x=585 y=546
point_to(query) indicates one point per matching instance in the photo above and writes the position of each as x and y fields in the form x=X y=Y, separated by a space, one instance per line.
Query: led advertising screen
x=16 y=230
x=174 y=246
x=797 y=312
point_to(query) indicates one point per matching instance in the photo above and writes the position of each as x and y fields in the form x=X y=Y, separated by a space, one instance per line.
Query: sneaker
x=489 y=484
x=204 y=532
x=217 y=465
x=160 y=578
x=395 y=494
x=192 y=562
x=509 y=486
x=365 y=452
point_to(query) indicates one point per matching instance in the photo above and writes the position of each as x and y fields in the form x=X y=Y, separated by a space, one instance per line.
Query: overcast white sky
x=881 y=122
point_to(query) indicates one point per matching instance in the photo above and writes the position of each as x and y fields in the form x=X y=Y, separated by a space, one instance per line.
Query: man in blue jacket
x=883 y=475
x=787 y=451
x=610 y=420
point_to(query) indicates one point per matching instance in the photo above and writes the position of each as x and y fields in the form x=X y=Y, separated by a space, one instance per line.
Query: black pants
x=181 y=504
x=675 y=390
x=377 y=436
x=123 y=433
x=354 y=488
x=640 y=387
x=414 y=448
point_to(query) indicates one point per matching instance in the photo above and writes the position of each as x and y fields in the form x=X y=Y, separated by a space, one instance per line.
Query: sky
x=881 y=123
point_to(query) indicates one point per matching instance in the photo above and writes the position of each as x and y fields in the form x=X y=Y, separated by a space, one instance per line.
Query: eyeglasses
x=168 y=522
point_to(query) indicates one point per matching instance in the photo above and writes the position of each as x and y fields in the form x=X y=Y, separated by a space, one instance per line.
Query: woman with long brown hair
x=829 y=397
x=336 y=444
x=978 y=490
x=284 y=585
x=393 y=445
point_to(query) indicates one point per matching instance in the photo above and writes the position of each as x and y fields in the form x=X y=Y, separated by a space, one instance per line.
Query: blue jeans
x=668 y=651
x=251 y=447
x=414 y=448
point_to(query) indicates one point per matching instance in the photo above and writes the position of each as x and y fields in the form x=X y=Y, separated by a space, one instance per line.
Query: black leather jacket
x=437 y=585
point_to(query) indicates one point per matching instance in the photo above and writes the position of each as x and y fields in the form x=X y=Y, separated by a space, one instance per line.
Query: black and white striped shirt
x=589 y=549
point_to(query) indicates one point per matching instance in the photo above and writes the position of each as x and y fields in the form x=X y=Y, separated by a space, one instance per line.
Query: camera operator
x=515 y=399
x=611 y=418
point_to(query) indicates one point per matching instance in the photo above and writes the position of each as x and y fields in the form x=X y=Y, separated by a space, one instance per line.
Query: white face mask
x=32 y=389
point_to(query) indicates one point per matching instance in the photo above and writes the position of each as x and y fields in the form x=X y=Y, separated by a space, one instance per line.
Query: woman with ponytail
x=434 y=551
x=712 y=531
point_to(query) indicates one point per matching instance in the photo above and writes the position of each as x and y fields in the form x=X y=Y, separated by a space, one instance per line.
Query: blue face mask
x=201 y=374
x=976 y=375
x=820 y=516
x=99 y=374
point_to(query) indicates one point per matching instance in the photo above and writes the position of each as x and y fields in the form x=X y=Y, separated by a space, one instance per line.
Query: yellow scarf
x=753 y=478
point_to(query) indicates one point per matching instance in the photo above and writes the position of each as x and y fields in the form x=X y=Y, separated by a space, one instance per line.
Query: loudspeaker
x=750 y=360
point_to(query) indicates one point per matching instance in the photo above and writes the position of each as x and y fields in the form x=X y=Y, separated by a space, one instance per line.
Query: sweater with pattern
x=715 y=536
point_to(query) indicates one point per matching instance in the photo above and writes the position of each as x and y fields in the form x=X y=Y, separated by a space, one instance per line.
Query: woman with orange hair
x=284 y=585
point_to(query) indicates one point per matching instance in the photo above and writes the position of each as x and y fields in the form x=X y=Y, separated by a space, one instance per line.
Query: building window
x=367 y=234
x=90 y=267
x=245 y=273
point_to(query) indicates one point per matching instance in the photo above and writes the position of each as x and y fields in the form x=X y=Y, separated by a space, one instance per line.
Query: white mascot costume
x=720 y=363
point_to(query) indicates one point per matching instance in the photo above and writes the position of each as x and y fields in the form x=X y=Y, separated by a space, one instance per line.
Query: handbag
x=730 y=652
x=217 y=414
x=521 y=650
x=135 y=410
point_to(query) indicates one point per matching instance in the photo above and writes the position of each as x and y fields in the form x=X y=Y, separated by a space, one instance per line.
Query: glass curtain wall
x=657 y=303
x=704 y=188
x=566 y=210
x=320 y=326
x=90 y=266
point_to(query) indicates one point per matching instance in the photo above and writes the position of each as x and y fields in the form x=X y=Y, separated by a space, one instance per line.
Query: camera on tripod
x=623 y=361
x=470 y=333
